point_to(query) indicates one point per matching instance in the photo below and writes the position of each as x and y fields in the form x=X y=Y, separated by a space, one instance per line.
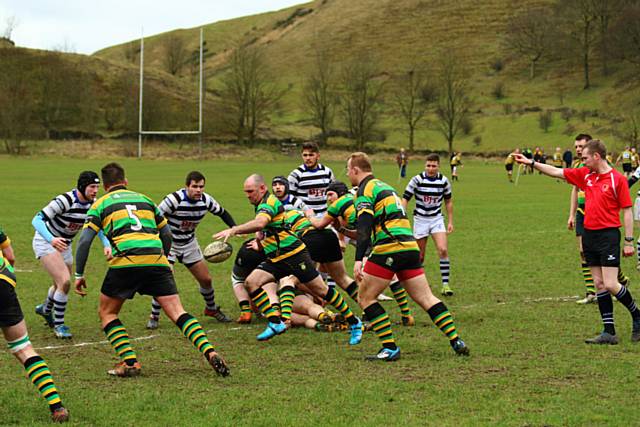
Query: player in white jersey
x=56 y=225
x=280 y=187
x=431 y=189
x=310 y=180
x=184 y=210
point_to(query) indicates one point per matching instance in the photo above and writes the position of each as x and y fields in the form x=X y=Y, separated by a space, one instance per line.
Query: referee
x=606 y=193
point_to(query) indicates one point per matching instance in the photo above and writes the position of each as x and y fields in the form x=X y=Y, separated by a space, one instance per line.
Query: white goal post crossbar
x=142 y=132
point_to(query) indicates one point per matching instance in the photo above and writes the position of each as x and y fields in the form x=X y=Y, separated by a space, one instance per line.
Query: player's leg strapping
x=381 y=325
x=191 y=329
x=119 y=340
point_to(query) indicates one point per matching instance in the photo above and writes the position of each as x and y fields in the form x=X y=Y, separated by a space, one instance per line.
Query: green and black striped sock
x=334 y=298
x=119 y=340
x=381 y=325
x=40 y=376
x=191 y=329
x=443 y=320
x=261 y=300
x=287 y=295
x=401 y=297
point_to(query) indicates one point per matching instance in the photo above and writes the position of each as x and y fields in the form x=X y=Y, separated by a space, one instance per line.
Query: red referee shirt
x=605 y=195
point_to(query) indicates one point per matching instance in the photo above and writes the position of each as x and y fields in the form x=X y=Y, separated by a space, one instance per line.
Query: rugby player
x=508 y=165
x=454 y=162
x=184 y=210
x=140 y=239
x=342 y=214
x=280 y=187
x=431 y=189
x=286 y=255
x=576 y=221
x=15 y=333
x=625 y=157
x=56 y=225
x=309 y=181
x=606 y=193
x=394 y=252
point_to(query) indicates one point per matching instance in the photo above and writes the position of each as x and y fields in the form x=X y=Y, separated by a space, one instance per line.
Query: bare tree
x=626 y=35
x=250 y=92
x=361 y=98
x=320 y=94
x=579 y=19
x=529 y=34
x=131 y=51
x=66 y=46
x=10 y=25
x=453 y=103
x=606 y=12
x=629 y=128
x=16 y=91
x=175 y=54
x=412 y=97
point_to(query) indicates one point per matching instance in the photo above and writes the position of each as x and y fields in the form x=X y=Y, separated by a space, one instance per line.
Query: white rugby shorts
x=41 y=248
x=425 y=226
x=186 y=254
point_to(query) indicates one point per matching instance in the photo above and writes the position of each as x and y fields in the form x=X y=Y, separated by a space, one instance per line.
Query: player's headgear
x=85 y=179
x=281 y=180
x=338 y=187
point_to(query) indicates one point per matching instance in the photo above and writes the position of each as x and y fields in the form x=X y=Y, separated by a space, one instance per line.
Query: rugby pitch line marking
x=148 y=337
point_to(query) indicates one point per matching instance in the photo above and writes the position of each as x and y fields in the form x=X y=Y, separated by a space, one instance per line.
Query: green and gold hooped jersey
x=6 y=270
x=581 y=195
x=344 y=208
x=131 y=222
x=279 y=242
x=391 y=228
x=298 y=223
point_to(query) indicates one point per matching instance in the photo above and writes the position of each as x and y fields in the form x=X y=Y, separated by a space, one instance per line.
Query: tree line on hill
x=49 y=95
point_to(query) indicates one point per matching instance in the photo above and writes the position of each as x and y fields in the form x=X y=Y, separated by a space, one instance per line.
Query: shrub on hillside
x=477 y=140
x=545 y=120
x=566 y=114
x=497 y=65
x=466 y=125
x=508 y=108
x=498 y=90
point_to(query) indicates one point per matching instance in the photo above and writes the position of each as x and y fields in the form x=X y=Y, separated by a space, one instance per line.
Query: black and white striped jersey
x=65 y=214
x=429 y=193
x=310 y=185
x=184 y=214
x=293 y=202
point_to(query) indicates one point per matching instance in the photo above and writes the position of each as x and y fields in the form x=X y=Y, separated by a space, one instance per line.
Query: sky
x=85 y=26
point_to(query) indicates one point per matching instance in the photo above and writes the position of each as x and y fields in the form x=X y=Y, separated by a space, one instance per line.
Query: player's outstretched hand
x=225 y=234
x=520 y=158
x=80 y=287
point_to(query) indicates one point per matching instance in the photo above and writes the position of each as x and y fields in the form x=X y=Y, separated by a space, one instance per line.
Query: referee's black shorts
x=323 y=245
x=123 y=283
x=10 y=311
x=601 y=247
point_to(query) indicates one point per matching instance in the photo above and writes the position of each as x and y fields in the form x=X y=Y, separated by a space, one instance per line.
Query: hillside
x=394 y=34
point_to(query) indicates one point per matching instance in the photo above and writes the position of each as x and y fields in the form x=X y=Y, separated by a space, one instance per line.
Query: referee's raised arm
x=546 y=169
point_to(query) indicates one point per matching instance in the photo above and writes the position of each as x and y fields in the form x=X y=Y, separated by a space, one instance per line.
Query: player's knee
x=443 y=253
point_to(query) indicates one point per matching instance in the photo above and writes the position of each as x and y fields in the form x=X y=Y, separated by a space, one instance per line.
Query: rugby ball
x=217 y=251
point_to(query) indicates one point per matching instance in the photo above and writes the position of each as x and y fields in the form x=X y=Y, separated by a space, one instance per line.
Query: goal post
x=141 y=131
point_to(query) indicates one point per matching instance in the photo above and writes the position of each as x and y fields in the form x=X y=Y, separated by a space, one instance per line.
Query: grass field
x=515 y=270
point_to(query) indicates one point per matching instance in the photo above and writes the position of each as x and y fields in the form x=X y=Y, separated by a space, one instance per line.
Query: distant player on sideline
x=184 y=210
x=56 y=225
x=140 y=239
x=309 y=181
x=607 y=193
x=431 y=190
x=286 y=255
x=455 y=162
x=383 y=226
x=557 y=158
x=15 y=333
x=508 y=165
x=402 y=159
x=625 y=157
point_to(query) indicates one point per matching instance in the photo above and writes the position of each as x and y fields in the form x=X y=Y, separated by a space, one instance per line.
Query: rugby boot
x=60 y=415
x=62 y=331
x=356 y=330
x=588 y=299
x=152 y=323
x=459 y=347
x=272 y=330
x=48 y=317
x=244 y=318
x=217 y=314
x=385 y=355
x=408 y=320
x=219 y=365
x=121 y=369
x=604 y=338
x=635 y=331
x=446 y=291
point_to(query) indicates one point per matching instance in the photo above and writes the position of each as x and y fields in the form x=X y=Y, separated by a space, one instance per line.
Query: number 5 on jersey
x=130 y=210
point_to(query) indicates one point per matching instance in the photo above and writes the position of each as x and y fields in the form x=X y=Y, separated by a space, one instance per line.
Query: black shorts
x=626 y=167
x=405 y=265
x=509 y=168
x=10 y=311
x=123 y=283
x=299 y=265
x=601 y=247
x=322 y=245
x=579 y=226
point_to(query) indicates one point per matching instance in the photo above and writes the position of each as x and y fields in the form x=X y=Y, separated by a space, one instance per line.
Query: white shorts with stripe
x=41 y=248
x=425 y=226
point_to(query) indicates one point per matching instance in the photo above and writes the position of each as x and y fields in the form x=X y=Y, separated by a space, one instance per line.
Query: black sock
x=352 y=290
x=625 y=298
x=605 y=304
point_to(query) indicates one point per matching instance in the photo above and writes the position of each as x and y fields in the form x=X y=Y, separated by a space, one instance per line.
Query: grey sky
x=90 y=25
